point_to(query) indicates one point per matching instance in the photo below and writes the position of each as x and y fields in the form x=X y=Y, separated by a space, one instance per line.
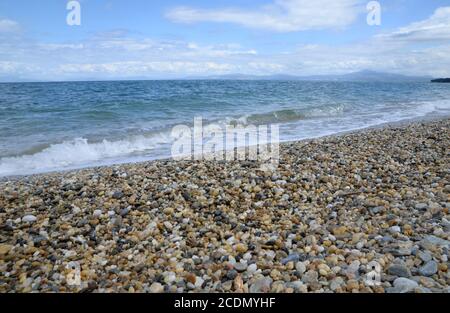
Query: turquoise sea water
x=54 y=126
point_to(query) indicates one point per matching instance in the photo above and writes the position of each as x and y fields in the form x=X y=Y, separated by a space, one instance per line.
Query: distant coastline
x=441 y=80
x=359 y=76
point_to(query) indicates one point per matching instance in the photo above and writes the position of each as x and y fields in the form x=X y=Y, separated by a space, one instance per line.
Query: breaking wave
x=288 y=115
x=79 y=152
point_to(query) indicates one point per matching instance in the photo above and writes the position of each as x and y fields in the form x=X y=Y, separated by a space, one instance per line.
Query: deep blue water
x=52 y=126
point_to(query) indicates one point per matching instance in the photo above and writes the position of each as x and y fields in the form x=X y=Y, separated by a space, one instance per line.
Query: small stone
x=261 y=285
x=117 y=195
x=191 y=278
x=336 y=283
x=170 y=278
x=240 y=267
x=425 y=256
x=290 y=258
x=395 y=229
x=400 y=248
x=252 y=268
x=310 y=277
x=352 y=271
x=421 y=206
x=431 y=242
x=399 y=270
x=168 y=225
x=231 y=274
x=226 y=286
x=429 y=269
x=376 y=210
x=97 y=213
x=247 y=256
x=124 y=212
x=168 y=211
x=300 y=267
x=241 y=248
x=352 y=284
x=156 y=288
x=339 y=231
x=29 y=218
x=404 y=285
x=199 y=282
x=4 y=249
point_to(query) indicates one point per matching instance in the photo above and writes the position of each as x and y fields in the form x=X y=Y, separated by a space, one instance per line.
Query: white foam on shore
x=77 y=153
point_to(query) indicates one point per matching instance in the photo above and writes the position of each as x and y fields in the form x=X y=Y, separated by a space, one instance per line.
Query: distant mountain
x=366 y=75
x=378 y=76
x=441 y=80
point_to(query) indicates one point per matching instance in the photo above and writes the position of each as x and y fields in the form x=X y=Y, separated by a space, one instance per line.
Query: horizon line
x=266 y=77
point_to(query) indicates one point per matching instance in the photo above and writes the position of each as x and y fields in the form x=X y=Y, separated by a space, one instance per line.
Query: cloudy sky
x=120 y=39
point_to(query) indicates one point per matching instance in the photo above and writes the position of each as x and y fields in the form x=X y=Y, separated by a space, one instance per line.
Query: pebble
x=421 y=206
x=310 y=277
x=156 y=288
x=241 y=248
x=199 y=282
x=291 y=258
x=300 y=267
x=395 y=229
x=425 y=256
x=399 y=270
x=404 y=285
x=4 y=249
x=231 y=274
x=240 y=267
x=429 y=269
x=262 y=285
x=29 y=218
x=252 y=268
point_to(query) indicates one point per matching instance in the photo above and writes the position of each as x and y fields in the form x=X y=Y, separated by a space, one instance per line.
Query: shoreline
x=405 y=122
x=334 y=205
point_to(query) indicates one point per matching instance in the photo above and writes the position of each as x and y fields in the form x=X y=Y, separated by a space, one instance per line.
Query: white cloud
x=281 y=16
x=58 y=46
x=136 y=68
x=436 y=27
x=17 y=68
x=121 y=54
x=9 y=26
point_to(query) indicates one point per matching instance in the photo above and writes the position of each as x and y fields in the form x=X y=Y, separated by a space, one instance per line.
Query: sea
x=56 y=126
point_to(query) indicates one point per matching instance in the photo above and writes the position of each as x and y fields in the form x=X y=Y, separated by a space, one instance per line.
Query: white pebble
x=247 y=256
x=29 y=218
x=300 y=267
x=252 y=268
x=199 y=282
x=395 y=229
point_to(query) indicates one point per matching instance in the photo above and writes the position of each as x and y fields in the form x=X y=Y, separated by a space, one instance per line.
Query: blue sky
x=120 y=39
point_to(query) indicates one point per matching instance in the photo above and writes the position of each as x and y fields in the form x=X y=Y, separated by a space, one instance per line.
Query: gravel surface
x=360 y=212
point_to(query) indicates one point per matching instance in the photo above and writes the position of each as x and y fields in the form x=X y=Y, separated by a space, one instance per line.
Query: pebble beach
x=366 y=211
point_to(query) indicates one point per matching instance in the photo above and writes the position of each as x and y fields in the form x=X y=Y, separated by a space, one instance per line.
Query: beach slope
x=365 y=211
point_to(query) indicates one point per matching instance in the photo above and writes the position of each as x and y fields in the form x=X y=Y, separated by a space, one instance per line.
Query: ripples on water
x=51 y=126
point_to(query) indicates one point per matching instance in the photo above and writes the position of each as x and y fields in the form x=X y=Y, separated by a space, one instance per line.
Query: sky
x=155 y=39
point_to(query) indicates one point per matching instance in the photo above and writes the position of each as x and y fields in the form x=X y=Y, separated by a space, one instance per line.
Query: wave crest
x=77 y=152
